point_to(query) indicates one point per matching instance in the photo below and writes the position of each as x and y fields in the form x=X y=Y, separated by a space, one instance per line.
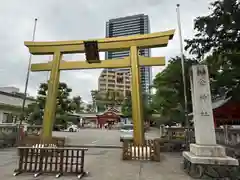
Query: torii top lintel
x=158 y=39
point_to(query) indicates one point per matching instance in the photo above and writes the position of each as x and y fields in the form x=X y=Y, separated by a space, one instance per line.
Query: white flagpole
x=183 y=70
x=28 y=71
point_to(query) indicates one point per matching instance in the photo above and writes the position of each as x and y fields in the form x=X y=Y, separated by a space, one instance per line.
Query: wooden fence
x=150 y=150
x=58 y=161
x=31 y=140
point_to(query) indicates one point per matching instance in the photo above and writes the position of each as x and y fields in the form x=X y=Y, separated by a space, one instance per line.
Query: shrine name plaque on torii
x=91 y=48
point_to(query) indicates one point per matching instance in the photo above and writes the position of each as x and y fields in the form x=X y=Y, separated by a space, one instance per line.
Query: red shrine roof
x=111 y=110
x=220 y=102
x=225 y=111
x=111 y=114
x=217 y=103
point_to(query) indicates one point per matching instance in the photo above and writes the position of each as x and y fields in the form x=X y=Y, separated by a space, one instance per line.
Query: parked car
x=58 y=128
x=126 y=132
x=72 y=128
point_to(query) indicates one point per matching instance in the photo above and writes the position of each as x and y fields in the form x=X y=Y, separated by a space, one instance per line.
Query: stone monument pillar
x=205 y=151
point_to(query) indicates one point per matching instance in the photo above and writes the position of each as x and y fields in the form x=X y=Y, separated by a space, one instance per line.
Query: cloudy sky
x=78 y=19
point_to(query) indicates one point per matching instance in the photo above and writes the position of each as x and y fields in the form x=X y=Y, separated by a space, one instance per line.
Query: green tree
x=105 y=99
x=169 y=98
x=34 y=114
x=114 y=97
x=76 y=104
x=126 y=107
x=100 y=100
x=217 y=32
x=64 y=105
x=217 y=35
x=90 y=108
x=94 y=94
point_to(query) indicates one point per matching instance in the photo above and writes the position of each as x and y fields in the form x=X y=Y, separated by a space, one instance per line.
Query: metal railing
x=224 y=136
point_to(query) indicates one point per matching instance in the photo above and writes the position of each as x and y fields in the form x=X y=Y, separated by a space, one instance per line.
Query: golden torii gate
x=134 y=61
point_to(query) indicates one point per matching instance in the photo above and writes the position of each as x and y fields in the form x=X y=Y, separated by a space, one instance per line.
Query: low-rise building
x=11 y=101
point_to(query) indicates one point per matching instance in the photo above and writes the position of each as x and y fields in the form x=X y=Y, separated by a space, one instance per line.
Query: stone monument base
x=209 y=160
x=229 y=161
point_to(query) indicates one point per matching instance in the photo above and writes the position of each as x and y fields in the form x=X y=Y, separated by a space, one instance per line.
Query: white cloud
x=70 y=20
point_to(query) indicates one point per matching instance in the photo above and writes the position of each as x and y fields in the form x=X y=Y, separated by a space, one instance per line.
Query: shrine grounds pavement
x=103 y=163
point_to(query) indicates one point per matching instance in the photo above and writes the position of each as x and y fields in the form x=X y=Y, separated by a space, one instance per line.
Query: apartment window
x=7 y=118
x=120 y=79
x=111 y=81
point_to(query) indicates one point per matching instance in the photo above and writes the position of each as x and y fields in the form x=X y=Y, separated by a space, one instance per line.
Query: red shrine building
x=226 y=111
x=110 y=116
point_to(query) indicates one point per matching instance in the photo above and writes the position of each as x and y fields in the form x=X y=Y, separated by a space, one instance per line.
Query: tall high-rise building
x=125 y=26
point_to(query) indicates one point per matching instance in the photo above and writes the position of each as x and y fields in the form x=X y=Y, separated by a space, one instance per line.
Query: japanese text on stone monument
x=204 y=97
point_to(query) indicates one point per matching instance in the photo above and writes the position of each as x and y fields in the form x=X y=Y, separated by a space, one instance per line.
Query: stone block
x=207 y=150
x=223 y=161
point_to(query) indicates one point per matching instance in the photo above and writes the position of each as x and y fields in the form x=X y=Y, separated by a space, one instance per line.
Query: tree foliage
x=169 y=97
x=218 y=37
x=215 y=43
x=64 y=105
x=104 y=99
x=126 y=107
x=90 y=108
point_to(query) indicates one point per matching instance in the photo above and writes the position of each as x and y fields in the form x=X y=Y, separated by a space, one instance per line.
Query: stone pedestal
x=205 y=153
x=209 y=154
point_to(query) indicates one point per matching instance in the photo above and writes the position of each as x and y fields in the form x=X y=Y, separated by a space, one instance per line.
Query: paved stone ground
x=111 y=167
x=106 y=164
x=98 y=136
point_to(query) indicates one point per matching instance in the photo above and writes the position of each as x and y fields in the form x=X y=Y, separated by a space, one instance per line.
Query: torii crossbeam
x=134 y=61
